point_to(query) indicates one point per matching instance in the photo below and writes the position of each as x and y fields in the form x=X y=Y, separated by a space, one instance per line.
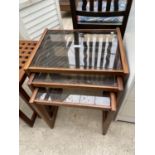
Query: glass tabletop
x=78 y=50
x=86 y=79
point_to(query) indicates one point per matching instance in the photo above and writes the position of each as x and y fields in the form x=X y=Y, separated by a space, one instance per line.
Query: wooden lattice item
x=25 y=50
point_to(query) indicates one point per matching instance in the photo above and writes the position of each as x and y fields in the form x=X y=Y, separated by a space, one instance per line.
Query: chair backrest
x=100 y=14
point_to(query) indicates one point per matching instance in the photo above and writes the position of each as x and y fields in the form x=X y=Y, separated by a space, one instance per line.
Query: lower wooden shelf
x=74 y=98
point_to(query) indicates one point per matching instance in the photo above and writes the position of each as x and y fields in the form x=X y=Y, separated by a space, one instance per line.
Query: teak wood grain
x=122 y=52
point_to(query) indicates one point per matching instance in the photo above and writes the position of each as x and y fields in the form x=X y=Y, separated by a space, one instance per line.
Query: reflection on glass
x=91 y=79
x=78 y=50
x=74 y=96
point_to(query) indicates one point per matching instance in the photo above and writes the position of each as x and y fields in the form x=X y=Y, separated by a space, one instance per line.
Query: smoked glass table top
x=78 y=50
x=86 y=79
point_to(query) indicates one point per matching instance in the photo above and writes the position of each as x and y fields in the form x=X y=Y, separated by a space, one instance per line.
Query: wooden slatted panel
x=91 y=5
x=39 y=16
x=84 y=4
x=99 y=5
x=25 y=50
x=108 y=5
x=115 y=5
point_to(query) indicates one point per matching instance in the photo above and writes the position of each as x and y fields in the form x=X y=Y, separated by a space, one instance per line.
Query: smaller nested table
x=77 y=68
x=25 y=50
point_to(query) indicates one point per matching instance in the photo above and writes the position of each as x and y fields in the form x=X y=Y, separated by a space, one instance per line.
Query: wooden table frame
x=118 y=85
x=122 y=72
x=108 y=113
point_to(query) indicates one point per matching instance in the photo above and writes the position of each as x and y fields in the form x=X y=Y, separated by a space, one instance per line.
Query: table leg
x=27 y=120
x=54 y=114
x=26 y=98
x=44 y=114
x=106 y=120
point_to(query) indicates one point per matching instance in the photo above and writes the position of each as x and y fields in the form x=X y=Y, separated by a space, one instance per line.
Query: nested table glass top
x=78 y=50
x=86 y=79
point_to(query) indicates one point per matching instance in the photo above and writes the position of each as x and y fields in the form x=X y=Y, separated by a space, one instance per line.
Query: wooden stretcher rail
x=101 y=14
x=65 y=70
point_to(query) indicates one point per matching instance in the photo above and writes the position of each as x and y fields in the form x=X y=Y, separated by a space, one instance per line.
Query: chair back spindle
x=115 y=5
x=84 y=4
x=91 y=5
x=108 y=5
x=99 y=5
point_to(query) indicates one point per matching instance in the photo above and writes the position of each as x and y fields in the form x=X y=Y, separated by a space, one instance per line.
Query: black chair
x=100 y=14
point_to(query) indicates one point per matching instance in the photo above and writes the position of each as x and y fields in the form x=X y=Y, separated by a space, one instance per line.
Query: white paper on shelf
x=50 y=99
x=102 y=101
x=42 y=96
x=73 y=98
x=87 y=99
